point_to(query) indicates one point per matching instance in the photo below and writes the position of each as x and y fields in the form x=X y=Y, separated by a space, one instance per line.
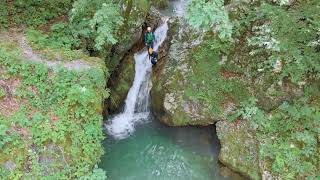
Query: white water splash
x=180 y=7
x=136 y=108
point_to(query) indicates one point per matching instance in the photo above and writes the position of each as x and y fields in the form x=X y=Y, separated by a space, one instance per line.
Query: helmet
x=149 y=28
x=150 y=50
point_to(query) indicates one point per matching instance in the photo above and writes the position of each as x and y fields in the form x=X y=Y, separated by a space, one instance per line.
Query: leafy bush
x=97 y=19
x=276 y=44
x=288 y=136
x=210 y=16
x=32 y=12
x=97 y=174
x=61 y=108
x=56 y=45
x=283 y=39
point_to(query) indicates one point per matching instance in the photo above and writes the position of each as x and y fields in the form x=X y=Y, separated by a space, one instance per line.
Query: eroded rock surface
x=170 y=101
x=239 y=149
x=122 y=78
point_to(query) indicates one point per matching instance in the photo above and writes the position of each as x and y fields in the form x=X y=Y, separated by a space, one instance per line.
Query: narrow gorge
x=235 y=94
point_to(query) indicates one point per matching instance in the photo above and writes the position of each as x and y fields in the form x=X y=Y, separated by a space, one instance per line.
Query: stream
x=139 y=147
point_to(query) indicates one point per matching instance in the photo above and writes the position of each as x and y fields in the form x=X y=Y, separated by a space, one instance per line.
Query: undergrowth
x=208 y=83
x=57 y=43
x=30 y=12
x=56 y=131
x=278 y=50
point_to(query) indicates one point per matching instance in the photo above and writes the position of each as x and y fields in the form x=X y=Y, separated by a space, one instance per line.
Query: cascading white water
x=180 y=7
x=137 y=103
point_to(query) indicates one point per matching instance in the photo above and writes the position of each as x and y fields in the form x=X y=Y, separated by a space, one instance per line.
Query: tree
x=97 y=19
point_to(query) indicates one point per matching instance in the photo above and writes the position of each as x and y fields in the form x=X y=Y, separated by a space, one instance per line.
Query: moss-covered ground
x=50 y=120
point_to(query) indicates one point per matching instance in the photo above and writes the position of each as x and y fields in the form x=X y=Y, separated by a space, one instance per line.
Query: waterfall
x=137 y=104
x=179 y=7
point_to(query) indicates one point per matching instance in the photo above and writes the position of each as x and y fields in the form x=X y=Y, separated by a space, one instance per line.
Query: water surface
x=139 y=147
x=158 y=152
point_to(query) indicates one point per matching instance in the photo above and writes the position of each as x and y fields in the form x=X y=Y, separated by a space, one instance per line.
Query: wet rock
x=154 y=18
x=120 y=83
x=122 y=78
x=239 y=148
x=134 y=34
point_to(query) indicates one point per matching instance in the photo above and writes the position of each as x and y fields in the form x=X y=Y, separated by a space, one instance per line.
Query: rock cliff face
x=123 y=76
x=174 y=105
x=195 y=85
x=173 y=101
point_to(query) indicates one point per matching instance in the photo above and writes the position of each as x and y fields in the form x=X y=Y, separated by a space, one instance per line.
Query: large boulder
x=154 y=18
x=239 y=148
x=170 y=101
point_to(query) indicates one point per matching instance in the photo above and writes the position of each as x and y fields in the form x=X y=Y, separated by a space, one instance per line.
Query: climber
x=153 y=55
x=149 y=38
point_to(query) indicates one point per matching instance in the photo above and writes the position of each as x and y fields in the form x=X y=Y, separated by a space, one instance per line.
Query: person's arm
x=145 y=38
x=154 y=37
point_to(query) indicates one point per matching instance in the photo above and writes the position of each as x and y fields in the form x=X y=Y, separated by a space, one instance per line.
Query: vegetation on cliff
x=50 y=118
x=254 y=63
x=52 y=89
x=274 y=48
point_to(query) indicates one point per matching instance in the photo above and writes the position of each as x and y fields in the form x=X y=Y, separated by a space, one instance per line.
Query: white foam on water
x=136 y=107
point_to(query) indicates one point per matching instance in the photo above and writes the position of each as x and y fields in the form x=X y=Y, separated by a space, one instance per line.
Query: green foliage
x=97 y=174
x=101 y=25
x=57 y=45
x=106 y=21
x=2 y=93
x=4 y=16
x=4 y=139
x=32 y=12
x=277 y=48
x=285 y=42
x=288 y=136
x=207 y=82
x=99 y=20
x=247 y=111
x=61 y=36
x=210 y=16
x=263 y=39
x=61 y=109
x=55 y=40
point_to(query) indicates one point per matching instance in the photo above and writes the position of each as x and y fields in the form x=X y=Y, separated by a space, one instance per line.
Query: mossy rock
x=239 y=148
x=188 y=87
x=120 y=83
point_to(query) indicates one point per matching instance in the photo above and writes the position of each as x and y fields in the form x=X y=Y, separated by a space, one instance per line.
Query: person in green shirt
x=149 y=38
